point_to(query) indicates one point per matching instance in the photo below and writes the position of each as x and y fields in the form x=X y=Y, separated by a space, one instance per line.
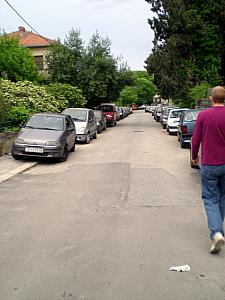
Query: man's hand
x=195 y=161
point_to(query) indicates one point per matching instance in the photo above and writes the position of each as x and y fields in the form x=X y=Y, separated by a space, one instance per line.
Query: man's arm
x=196 y=139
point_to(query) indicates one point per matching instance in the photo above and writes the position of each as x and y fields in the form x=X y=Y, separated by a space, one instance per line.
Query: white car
x=174 y=119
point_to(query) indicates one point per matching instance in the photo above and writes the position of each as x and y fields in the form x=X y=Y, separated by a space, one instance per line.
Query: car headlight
x=19 y=141
x=53 y=144
x=98 y=123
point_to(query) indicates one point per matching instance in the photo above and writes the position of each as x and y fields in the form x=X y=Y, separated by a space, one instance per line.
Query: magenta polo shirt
x=209 y=131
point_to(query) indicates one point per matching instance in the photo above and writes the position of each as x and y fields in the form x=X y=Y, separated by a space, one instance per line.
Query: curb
x=18 y=170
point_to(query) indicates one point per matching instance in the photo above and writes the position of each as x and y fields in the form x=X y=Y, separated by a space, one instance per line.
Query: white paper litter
x=184 y=268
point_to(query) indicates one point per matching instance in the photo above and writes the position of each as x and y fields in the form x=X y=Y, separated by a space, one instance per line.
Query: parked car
x=164 y=115
x=121 y=111
x=101 y=120
x=85 y=122
x=46 y=135
x=174 y=119
x=186 y=126
x=110 y=112
x=117 y=114
x=157 y=113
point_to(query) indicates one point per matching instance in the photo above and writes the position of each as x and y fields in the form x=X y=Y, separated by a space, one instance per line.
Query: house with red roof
x=37 y=44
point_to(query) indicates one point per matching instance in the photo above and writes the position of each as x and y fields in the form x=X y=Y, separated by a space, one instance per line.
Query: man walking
x=210 y=133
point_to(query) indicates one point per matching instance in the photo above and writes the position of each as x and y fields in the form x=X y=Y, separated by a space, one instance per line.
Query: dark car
x=101 y=120
x=46 y=135
x=186 y=126
x=110 y=112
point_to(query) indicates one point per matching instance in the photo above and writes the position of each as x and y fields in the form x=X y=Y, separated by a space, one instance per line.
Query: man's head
x=218 y=95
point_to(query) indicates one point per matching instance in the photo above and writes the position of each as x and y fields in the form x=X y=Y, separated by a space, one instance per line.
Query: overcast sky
x=123 y=21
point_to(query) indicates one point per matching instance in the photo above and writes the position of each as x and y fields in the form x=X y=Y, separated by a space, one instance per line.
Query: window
x=39 y=62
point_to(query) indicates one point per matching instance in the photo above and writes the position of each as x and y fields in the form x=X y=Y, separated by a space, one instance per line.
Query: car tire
x=164 y=126
x=64 y=157
x=17 y=157
x=88 y=138
x=99 y=131
x=95 y=135
x=74 y=147
x=183 y=145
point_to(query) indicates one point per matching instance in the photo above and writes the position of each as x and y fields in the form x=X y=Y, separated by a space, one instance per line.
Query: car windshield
x=106 y=108
x=98 y=114
x=191 y=115
x=78 y=115
x=175 y=114
x=46 y=122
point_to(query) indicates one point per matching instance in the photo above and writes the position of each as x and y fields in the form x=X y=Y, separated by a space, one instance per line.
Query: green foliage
x=16 y=62
x=92 y=69
x=198 y=92
x=24 y=98
x=66 y=94
x=141 y=91
x=19 y=114
x=64 y=60
x=128 y=96
x=188 y=46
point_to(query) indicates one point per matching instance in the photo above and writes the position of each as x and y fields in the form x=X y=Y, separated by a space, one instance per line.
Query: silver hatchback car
x=46 y=135
x=85 y=123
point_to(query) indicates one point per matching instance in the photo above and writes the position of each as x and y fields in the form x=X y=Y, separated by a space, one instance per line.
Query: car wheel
x=88 y=138
x=95 y=135
x=170 y=133
x=17 y=157
x=182 y=145
x=65 y=154
x=74 y=147
x=164 y=126
x=99 y=131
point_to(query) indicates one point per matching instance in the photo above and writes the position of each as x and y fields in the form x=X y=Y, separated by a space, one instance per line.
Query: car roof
x=180 y=109
x=77 y=108
x=50 y=114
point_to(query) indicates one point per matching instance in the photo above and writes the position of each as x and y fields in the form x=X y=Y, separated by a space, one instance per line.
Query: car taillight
x=184 y=129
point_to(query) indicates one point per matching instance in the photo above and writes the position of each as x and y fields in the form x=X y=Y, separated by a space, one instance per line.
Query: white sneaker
x=218 y=242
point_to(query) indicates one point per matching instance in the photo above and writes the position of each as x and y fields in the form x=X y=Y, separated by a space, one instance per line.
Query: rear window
x=78 y=115
x=175 y=113
x=106 y=108
x=191 y=116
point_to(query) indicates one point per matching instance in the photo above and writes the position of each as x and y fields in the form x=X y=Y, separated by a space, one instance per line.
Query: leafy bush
x=19 y=114
x=66 y=94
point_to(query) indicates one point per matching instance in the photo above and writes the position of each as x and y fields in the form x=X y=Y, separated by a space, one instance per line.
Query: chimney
x=21 y=29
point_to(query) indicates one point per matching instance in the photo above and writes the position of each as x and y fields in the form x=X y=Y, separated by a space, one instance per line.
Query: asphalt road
x=109 y=223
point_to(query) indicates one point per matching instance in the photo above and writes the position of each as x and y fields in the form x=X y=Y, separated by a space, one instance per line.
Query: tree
x=141 y=91
x=64 y=60
x=16 y=62
x=188 y=45
x=98 y=75
x=128 y=96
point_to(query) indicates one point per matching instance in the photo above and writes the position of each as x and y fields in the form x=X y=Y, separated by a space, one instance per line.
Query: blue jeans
x=213 y=195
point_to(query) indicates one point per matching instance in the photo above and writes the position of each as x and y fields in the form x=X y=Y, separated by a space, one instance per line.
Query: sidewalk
x=10 y=167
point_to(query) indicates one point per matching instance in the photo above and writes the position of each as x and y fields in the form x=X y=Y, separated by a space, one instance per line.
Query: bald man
x=210 y=133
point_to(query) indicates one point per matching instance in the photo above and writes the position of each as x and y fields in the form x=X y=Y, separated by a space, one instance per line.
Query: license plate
x=34 y=150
